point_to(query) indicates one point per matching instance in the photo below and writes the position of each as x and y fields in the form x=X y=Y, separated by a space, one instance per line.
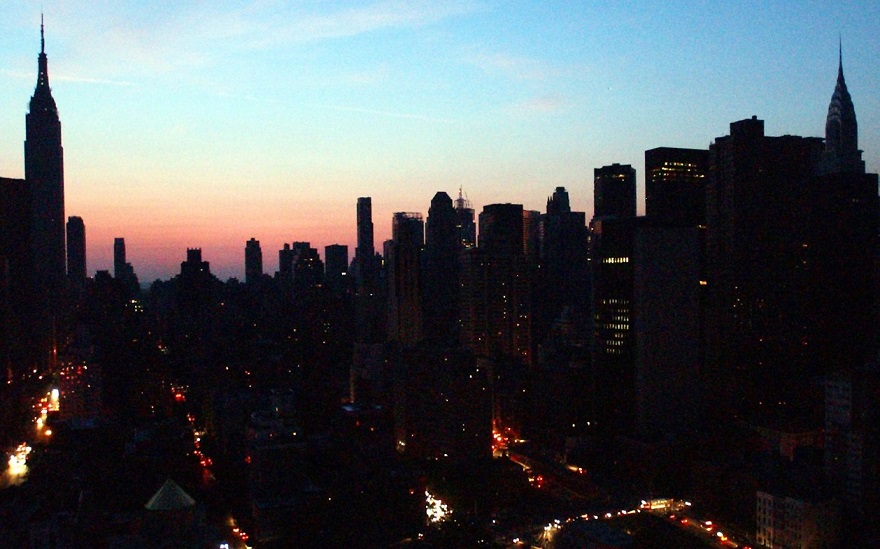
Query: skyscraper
x=76 y=250
x=404 y=279
x=122 y=270
x=614 y=191
x=842 y=154
x=365 y=245
x=118 y=257
x=253 y=261
x=761 y=346
x=467 y=229
x=441 y=270
x=336 y=266
x=44 y=173
x=675 y=185
x=495 y=287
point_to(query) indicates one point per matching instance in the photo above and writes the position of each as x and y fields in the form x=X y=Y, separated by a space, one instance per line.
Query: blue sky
x=207 y=123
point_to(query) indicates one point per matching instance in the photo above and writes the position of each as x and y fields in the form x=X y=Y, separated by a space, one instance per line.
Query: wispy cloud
x=389 y=14
x=519 y=68
x=545 y=104
x=68 y=78
x=392 y=114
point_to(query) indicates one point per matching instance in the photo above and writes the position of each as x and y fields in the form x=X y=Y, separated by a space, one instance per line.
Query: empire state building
x=44 y=174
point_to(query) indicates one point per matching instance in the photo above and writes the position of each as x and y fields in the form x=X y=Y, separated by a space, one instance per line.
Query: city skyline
x=507 y=101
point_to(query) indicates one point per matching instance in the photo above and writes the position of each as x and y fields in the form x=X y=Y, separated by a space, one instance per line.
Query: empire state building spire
x=842 y=152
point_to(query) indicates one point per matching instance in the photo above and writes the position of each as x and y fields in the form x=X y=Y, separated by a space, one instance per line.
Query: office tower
x=15 y=277
x=76 y=250
x=336 y=266
x=501 y=229
x=285 y=264
x=532 y=235
x=365 y=247
x=118 y=257
x=675 y=185
x=440 y=270
x=403 y=261
x=842 y=246
x=564 y=283
x=495 y=313
x=44 y=173
x=253 y=261
x=366 y=267
x=612 y=348
x=667 y=298
x=614 y=191
x=122 y=270
x=761 y=351
x=465 y=226
x=308 y=269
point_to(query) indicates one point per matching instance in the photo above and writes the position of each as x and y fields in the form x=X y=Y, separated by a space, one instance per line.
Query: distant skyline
x=205 y=124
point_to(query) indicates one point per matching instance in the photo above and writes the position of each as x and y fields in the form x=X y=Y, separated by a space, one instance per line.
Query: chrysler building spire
x=842 y=152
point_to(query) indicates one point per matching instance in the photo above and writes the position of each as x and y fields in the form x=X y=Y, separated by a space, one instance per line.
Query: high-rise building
x=761 y=350
x=842 y=154
x=44 y=173
x=253 y=261
x=365 y=247
x=308 y=269
x=564 y=280
x=76 y=250
x=403 y=262
x=336 y=266
x=675 y=185
x=118 y=257
x=465 y=226
x=532 y=235
x=495 y=288
x=15 y=277
x=614 y=191
x=122 y=270
x=366 y=267
x=441 y=270
x=613 y=346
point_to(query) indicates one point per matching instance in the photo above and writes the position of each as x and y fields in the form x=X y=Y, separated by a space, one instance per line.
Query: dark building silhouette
x=614 y=191
x=842 y=154
x=532 y=235
x=366 y=266
x=564 y=283
x=441 y=270
x=495 y=309
x=667 y=326
x=118 y=257
x=44 y=173
x=285 y=268
x=613 y=346
x=308 y=269
x=675 y=185
x=495 y=315
x=122 y=270
x=15 y=277
x=253 y=261
x=465 y=226
x=791 y=244
x=403 y=264
x=76 y=250
x=336 y=266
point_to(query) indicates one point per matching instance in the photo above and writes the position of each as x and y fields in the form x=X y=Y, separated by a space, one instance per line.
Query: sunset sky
x=206 y=123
